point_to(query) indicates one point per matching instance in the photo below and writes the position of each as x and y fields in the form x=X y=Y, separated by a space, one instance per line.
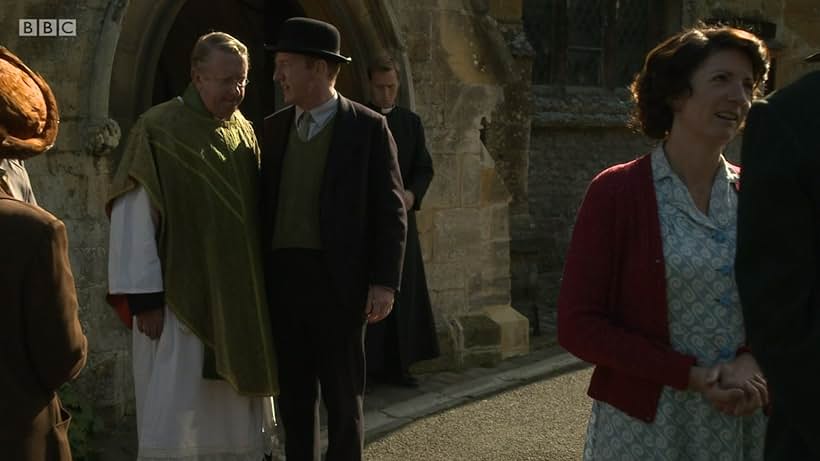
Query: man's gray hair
x=221 y=41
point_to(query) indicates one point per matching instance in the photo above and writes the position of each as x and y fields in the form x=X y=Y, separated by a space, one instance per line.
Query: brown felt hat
x=29 y=118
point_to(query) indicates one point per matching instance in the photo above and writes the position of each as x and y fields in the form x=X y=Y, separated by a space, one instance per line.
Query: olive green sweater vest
x=303 y=168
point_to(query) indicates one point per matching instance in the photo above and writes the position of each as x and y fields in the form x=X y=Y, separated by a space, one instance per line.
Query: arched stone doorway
x=151 y=61
x=142 y=56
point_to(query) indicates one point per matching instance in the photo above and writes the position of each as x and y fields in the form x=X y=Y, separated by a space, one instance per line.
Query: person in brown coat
x=42 y=345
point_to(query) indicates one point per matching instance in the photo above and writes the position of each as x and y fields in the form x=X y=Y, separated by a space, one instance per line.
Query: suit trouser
x=318 y=343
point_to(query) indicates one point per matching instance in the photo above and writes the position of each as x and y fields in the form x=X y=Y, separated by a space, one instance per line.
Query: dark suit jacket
x=778 y=260
x=42 y=344
x=363 y=223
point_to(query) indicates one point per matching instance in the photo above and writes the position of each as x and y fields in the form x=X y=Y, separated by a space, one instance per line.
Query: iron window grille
x=591 y=42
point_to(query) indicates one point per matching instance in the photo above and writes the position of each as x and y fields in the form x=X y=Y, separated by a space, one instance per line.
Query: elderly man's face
x=220 y=81
x=384 y=87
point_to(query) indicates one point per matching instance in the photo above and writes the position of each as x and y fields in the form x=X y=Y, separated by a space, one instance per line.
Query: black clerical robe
x=408 y=335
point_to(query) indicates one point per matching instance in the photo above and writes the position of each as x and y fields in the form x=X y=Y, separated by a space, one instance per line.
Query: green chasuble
x=202 y=176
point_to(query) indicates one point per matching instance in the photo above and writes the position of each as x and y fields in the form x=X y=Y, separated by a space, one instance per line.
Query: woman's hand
x=707 y=382
x=744 y=373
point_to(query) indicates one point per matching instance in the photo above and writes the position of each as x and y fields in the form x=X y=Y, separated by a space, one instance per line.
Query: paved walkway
x=388 y=408
x=542 y=421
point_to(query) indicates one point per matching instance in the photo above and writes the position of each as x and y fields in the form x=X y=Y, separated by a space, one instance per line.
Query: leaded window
x=591 y=42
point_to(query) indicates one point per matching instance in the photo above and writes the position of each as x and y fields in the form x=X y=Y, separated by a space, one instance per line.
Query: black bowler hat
x=813 y=57
x=309 y=36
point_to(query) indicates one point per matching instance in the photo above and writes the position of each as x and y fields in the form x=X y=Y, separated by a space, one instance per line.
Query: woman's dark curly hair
x=668 y=69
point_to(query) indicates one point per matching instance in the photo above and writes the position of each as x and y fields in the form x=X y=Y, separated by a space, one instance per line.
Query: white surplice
x=180 y=415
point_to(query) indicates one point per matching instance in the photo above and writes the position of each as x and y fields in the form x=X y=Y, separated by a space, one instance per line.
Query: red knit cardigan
x=612 y=309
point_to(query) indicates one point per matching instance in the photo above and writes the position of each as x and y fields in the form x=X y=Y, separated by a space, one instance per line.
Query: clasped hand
x=735 y=388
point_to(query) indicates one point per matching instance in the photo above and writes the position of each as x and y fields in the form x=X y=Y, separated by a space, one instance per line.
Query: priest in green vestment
x=185 y=266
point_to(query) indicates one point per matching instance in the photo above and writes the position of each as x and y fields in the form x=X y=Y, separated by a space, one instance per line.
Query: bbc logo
x=48 y=28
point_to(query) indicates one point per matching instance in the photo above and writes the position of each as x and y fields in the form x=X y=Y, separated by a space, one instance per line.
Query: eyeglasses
x=230 y=82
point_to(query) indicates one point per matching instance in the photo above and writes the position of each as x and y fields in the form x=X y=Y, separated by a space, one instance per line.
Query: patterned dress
x=705 y=321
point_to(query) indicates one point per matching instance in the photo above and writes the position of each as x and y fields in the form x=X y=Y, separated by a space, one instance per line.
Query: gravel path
x=543 y=421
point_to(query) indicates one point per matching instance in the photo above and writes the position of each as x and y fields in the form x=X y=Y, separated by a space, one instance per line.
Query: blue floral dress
x=705 y=321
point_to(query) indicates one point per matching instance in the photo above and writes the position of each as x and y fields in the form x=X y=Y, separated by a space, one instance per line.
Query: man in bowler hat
x=334 y=229
x=42 y=345
x=778 y=259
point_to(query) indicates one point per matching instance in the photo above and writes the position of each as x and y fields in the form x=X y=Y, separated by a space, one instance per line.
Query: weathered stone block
x=495 y=333
x=467 y=104
x=488 y=291
x=445 y=276
x=464 y=50
x=448 y=303
x=514 y=329
x=446 y=140
x=493 y=190
x=495 y=259
x=470 y=180
x=445 y=190
x=495 y=223
x=64 y=195
x=458 y=236
x=91 y=265
x=107 y=379
x=419 y=48
x=509 y=137
x=105 y=331
x=480 y=330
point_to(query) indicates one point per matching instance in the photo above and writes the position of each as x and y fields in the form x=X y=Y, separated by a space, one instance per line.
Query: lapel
x=341 y=145
x=277 y=131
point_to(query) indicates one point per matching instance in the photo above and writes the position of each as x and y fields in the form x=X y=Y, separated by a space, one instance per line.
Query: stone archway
x=144 y=27
x=151 y=63
x=147 y=64
x=135 y=67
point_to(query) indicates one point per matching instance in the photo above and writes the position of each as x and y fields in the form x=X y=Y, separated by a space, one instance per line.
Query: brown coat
x=42 y=344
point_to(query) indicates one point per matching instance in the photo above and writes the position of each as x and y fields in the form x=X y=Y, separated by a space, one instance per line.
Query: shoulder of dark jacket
x=348 y=107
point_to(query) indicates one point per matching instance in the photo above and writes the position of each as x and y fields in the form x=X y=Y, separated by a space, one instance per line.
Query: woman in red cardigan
x=648 y=293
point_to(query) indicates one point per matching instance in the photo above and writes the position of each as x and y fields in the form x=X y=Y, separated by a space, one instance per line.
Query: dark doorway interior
x=254 y=22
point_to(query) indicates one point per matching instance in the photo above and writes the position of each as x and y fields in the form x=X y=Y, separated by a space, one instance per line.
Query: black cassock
x=408 y=334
